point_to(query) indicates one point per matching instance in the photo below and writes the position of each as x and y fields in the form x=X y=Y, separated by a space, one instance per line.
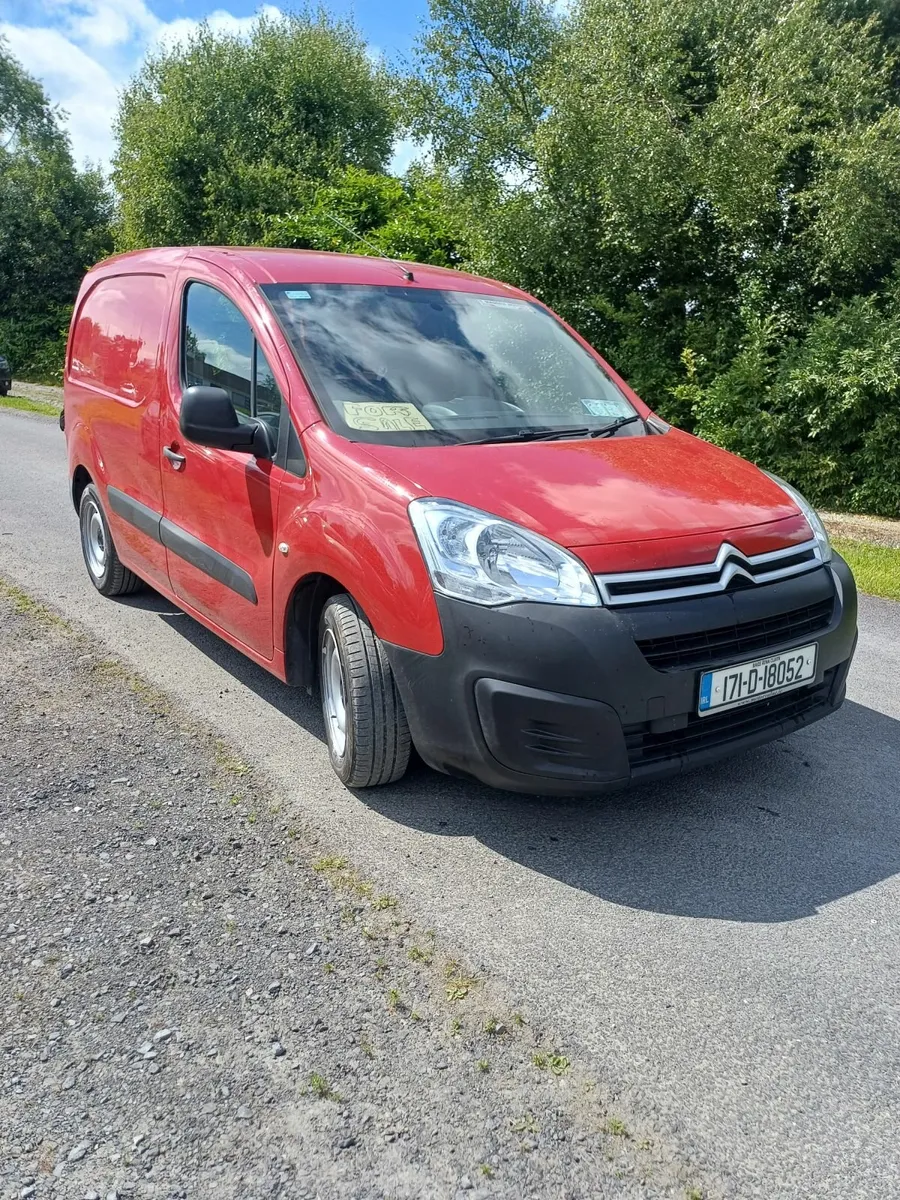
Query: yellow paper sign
x=384 y=418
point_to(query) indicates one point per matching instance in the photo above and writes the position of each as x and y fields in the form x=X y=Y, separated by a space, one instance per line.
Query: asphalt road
x=722 y=951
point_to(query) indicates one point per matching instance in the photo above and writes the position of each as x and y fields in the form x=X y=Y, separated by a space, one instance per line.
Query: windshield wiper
x=528 y=434
x=610 y=429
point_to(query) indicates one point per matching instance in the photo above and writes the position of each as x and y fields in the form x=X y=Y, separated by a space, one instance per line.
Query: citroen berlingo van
x=424 y=494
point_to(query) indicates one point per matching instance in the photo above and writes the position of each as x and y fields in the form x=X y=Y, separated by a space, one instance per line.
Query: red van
x=423 y=492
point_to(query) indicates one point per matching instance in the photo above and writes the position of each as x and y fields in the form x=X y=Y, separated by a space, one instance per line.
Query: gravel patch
x=38 y=391
x=199 y=1001
x=880 y=531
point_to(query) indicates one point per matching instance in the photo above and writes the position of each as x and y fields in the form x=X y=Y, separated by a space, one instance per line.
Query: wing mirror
x=208 y=418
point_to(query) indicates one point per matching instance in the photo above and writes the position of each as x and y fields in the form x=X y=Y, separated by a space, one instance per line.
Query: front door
x=221 y=506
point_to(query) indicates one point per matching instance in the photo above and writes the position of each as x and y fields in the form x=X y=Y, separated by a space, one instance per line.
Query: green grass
x=329 y=862
x=227 y=760
x=27 y=606
x=32 y=406
x=877 y=568
x=321 y=1088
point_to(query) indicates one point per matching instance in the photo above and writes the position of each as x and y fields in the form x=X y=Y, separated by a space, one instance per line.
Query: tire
x=371 y=746
x=104 y=567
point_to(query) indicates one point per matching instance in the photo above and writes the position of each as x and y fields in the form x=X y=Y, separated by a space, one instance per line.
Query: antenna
x=407 y=273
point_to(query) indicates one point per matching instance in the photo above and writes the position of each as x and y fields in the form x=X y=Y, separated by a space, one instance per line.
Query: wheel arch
x=301 y=625
x=81 y=477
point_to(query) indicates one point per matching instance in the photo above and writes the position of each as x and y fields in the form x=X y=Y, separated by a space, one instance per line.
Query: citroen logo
x=730 y=563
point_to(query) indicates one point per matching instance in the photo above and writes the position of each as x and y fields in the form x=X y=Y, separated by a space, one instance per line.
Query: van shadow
x=769 y=836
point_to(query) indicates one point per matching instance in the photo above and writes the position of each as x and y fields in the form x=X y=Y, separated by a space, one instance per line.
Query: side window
x=219 y=350
x=267 y=397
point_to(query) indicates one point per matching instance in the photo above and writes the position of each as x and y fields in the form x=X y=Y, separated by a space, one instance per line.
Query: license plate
x=746 y=682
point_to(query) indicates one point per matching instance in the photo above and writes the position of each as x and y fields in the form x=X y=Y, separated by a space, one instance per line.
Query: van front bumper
x=554 y=699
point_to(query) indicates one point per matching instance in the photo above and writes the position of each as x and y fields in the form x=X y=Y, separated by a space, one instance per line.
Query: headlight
x=820 y=533
x=474 y=556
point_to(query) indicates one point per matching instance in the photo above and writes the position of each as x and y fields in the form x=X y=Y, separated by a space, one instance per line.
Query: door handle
x=177 y=460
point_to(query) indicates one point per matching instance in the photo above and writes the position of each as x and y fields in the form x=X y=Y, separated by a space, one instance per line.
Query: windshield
x=413 y=366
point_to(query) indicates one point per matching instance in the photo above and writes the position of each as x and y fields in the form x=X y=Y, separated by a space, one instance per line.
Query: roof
x=257 y=265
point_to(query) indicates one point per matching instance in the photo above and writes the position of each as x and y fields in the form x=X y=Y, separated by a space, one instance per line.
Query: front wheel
x=108 y=575
x=365 y=725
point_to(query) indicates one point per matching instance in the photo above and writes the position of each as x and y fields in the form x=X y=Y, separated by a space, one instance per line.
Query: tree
x=476 y=94
x=25 y=112
x=54 y=224
x=358 y=212
x=715 y=202
x=218 y=135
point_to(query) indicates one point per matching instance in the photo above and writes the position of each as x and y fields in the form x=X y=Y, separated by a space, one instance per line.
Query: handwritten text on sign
x=384 y=418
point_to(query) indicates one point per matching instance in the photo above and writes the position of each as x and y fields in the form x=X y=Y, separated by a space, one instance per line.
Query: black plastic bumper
x=554 y=699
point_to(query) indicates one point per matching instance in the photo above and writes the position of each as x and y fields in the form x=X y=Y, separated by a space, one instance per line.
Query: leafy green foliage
x=54 y=224
x=475 y=95
x=25 y=113
x=713 y=199
x=221 y=134
x=357 y=212
x=822 y=410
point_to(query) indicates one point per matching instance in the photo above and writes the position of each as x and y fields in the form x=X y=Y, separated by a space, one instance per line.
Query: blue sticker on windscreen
x=293 y=295
x=607 y=408
x=498 y=302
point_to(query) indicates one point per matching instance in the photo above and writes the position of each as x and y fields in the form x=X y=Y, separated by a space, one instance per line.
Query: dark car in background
x=5 y=376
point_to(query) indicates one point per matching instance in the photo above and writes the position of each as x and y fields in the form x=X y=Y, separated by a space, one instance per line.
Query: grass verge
x=33 y=406
x=26 y=605
x=877 y=568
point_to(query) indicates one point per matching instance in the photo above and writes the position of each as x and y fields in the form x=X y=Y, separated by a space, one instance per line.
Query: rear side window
x=116 y=340
x=219 y=350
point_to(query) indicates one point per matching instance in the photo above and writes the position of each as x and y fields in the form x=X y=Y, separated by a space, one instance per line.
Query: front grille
x=705 y=733
x=731 y=642
x=731 y=569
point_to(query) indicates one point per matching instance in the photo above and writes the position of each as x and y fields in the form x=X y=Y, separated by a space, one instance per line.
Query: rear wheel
x=107 y=573
x=365 y=725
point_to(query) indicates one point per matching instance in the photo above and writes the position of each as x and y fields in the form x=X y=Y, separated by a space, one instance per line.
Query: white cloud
x=106 y=23
x=73 y=79
x=84 y=51
x=219 y=21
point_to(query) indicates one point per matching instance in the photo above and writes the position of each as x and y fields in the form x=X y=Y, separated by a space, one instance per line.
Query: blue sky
x=84 y=50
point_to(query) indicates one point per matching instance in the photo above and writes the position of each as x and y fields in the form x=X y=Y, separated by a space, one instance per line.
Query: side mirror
x=208 y=417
